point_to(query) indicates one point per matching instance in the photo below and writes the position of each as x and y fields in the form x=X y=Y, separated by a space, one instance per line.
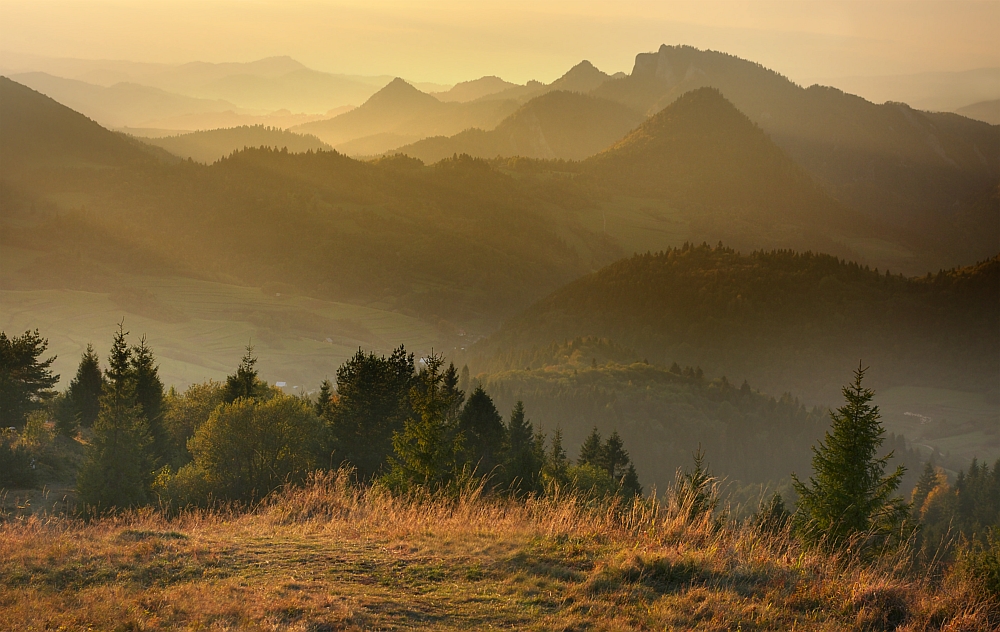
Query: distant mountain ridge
x=918 y=171
x=400 y=110
x=557 y=124
x=122 y=104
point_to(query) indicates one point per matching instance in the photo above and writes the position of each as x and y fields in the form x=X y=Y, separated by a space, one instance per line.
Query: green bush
x=248 y=448
x=16 y=466
x=981 y=561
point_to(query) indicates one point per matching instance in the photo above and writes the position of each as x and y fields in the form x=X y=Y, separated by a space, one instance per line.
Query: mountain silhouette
x=557 y=124
x=918 y=171
x=401 y=110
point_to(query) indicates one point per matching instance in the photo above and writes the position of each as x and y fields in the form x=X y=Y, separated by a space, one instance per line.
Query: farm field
x=199 y=329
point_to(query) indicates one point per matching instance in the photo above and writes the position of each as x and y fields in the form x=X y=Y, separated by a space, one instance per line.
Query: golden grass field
x=330 y=556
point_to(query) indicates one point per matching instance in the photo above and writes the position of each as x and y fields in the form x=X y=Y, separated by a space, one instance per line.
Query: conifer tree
x=697 y=489
x=425 y=450
x=849 y=493
x=556 y=468
x=324 y=400
x=592 y=450
x=925 y=485
x=614 y=457
x=85 y=388
x=26 y=381
x=149 y=395
x=524 y=455
x=483 y=430
x=244 y=382
x=119 y=465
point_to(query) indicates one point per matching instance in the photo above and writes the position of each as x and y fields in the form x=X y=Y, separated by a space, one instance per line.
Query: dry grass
x=329 y=556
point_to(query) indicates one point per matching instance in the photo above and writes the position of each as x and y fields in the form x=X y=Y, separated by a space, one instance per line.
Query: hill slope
x=558 y=124
x=37 y=130
x=122 y=104
x=918 y=171
x=211 y=145
x=779 y=319
x=985 y=111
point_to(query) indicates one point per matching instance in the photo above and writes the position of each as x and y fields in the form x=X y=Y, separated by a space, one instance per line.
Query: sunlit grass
x=330 y=556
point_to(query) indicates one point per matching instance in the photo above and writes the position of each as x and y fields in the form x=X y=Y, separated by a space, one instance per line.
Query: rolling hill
x=39 y=132
x=985 y=111
x=778 y=319
x=475 y=89
x=400 y=111
x=211 y=145
x=558 y=124
x=122 y=104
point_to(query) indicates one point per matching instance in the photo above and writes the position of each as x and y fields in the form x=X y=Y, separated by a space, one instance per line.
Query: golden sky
x=449 y=41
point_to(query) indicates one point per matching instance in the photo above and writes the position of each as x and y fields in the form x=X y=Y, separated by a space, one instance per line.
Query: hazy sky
x=449 y=41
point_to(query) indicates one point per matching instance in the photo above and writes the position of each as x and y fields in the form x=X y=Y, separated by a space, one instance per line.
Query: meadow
x=332 y=556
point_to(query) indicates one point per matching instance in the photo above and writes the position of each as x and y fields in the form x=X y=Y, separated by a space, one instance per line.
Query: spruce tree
x=149 y=396
x=614 y=457
x=119 y=465
x=244 y=382
x=556 y=468
x=324 y=400
x=524 y=456
x=425 y=449
x=483 y=430
x=592 y=451
x=925 y=484
x=85 y=388
x=849 y=493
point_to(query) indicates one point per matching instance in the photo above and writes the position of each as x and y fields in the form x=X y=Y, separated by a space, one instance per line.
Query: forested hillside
x=782 y=320
x=211 y=145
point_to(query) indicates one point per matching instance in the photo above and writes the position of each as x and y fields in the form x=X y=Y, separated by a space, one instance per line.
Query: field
x=199 y=329
x=960 y=424
x=332 y=557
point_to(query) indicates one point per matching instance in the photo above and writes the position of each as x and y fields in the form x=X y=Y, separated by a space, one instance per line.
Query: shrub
x=248 y=448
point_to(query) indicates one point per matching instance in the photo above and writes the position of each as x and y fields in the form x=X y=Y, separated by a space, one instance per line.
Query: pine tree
x=556 y=468
x=244 y=382
x=149 y=396
x=324 y=400
x=119 y=465
x=697 y=489
x=630 y=482
x=373 y=403
x=85 y=389
x=25 y=381
x=615 y=459
x=483 y=430
x=849 y=493
x=524 y=456
x=925 y=485
x=425 y=450
x=592 y=451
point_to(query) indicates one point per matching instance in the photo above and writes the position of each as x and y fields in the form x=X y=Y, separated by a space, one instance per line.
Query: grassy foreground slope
x=330 y=557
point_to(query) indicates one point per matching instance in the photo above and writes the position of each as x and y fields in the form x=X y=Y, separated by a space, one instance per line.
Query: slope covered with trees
x=211 y=145
x=780 y=319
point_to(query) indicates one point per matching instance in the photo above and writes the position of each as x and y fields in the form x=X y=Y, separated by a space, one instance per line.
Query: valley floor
x=330 y=557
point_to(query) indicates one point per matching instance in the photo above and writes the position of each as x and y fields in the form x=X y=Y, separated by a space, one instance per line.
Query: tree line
x=409 y=427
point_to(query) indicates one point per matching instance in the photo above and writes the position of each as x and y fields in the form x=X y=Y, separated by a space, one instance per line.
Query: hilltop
x=211 y=145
